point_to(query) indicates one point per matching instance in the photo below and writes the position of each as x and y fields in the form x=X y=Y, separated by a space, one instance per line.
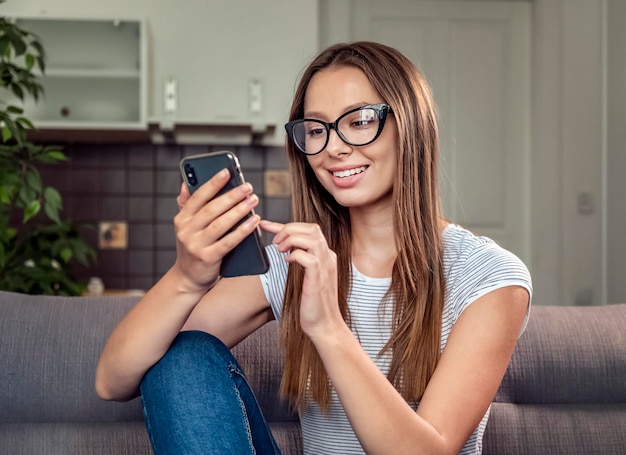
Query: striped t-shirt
x=473 y=266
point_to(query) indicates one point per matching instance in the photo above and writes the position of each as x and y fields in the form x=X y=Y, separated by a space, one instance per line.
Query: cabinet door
x=233 y=63
x=95 y=74
x=476 y=56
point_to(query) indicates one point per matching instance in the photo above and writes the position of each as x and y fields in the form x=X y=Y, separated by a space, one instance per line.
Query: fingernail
x=252 y=200
x=253 y=220
x=246 y=188
x=223 y=173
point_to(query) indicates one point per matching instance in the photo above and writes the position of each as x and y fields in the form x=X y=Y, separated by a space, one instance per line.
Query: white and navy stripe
x=473 y=266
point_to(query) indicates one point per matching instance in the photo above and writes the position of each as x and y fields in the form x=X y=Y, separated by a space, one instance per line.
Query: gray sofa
x=564 y=392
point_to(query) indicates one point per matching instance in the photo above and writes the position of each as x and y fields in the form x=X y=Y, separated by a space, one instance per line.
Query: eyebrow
x=319 y=115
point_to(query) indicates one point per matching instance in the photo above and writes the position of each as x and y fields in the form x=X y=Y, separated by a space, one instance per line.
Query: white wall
x=616 y=146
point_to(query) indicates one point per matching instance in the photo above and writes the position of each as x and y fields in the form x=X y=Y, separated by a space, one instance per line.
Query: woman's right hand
x=201 y=225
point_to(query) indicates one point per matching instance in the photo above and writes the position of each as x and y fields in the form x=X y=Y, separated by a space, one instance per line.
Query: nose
x=336 y=146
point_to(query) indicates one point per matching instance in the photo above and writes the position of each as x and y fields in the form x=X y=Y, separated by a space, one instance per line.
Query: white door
x=476 y=56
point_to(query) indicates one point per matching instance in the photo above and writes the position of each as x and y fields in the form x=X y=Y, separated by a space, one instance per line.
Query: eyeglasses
x=360 y=126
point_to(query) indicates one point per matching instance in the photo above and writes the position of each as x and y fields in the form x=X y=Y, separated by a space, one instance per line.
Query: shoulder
x=466 y=252
x=475 y=265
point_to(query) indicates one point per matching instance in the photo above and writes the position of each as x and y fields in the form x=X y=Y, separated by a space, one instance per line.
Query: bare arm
x=458 y=395
x=181 y=298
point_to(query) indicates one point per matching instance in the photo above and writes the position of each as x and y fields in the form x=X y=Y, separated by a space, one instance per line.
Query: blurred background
x=531 y=98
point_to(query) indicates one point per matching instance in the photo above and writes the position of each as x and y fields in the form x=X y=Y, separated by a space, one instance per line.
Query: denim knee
x=190 y=351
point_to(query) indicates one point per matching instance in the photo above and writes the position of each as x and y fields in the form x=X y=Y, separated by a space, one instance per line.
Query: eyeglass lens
x=356 y=128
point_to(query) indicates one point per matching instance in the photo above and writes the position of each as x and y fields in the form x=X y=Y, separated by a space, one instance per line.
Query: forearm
x=143 y=337
x=378 y=414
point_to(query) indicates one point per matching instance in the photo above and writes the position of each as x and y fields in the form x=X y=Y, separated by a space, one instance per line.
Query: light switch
x=255 y=96
x=169 y=96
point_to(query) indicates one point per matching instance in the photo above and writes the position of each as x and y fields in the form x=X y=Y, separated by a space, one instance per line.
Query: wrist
x=183 y=285
x=331 y=336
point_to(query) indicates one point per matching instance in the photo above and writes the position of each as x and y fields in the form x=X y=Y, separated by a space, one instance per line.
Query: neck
x=373 y=244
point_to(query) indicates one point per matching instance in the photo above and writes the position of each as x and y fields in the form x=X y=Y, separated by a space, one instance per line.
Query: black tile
x=56 y=177
x=84 y=155
x=257 y=180
x=166 y=208
x=83 y=208
x=115 y=282
x=141 y=182
x=277 y=209
x=113 y=155
x=250 y=157
x=141 y=208
x=275 y=158
x=83 y=181
x=141 y=156
x=113 y=181
x=141 y=263
x=89 y=233
x=165 y=235
x=114 y=208
x=140 y=236
x=141 y=282
x=165 y=261
x=168 y=156
x=168 y=182
x=112 y=262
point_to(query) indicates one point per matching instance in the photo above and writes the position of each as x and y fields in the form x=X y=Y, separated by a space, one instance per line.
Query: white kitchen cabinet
x=230 y=68
x=95 y=74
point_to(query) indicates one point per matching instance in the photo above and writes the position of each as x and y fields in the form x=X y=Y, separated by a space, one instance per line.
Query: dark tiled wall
x=139 y=184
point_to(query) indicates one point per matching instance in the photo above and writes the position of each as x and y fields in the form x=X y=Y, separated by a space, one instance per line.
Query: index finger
x=207 y=191
x=271 y=226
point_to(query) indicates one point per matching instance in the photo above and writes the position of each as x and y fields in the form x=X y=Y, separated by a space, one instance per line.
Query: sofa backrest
x=569 y=355
x=49 y=349
x=564 y=391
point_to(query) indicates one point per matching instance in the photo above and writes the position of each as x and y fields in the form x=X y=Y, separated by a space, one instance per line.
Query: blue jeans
x=197 y=401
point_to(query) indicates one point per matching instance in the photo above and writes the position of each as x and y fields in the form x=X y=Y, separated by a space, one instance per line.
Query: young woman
x=397 y=325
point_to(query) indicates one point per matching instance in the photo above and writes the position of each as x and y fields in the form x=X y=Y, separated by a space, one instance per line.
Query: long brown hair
x=417 y=285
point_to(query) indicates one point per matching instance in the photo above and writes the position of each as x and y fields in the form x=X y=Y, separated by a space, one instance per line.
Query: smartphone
x=249 y=256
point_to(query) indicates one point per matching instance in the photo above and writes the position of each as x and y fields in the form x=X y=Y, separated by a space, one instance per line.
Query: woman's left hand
x=306 y=245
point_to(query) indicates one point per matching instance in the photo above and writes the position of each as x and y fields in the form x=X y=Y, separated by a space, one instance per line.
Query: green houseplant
x=37 y=247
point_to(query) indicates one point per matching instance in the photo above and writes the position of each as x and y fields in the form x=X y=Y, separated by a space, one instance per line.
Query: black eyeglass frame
x=382 y=110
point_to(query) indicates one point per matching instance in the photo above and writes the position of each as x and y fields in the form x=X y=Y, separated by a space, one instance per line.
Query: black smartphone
x=249 y=257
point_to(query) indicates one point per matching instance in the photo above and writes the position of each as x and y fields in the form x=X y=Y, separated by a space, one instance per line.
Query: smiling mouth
x=349 y=172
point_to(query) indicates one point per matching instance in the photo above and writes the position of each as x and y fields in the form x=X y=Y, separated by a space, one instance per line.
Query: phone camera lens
x=191 y=175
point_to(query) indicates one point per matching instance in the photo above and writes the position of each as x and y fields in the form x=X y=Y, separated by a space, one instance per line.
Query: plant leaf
x=66 y=254
x=33 y=180
x=53 y=197
x=31 y=210
x=30 y=61
x=6 y=133
x=52 y=212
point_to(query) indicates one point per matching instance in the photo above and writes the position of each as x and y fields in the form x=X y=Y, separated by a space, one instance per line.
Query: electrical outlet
x=277 y=183
x=112 y=235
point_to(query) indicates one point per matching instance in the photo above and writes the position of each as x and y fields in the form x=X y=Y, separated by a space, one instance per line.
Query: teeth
x=348 y=173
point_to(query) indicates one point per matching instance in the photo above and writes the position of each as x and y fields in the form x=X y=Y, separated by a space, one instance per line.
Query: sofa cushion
x=568 y=429
x=569 y=355
x=102 y=438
